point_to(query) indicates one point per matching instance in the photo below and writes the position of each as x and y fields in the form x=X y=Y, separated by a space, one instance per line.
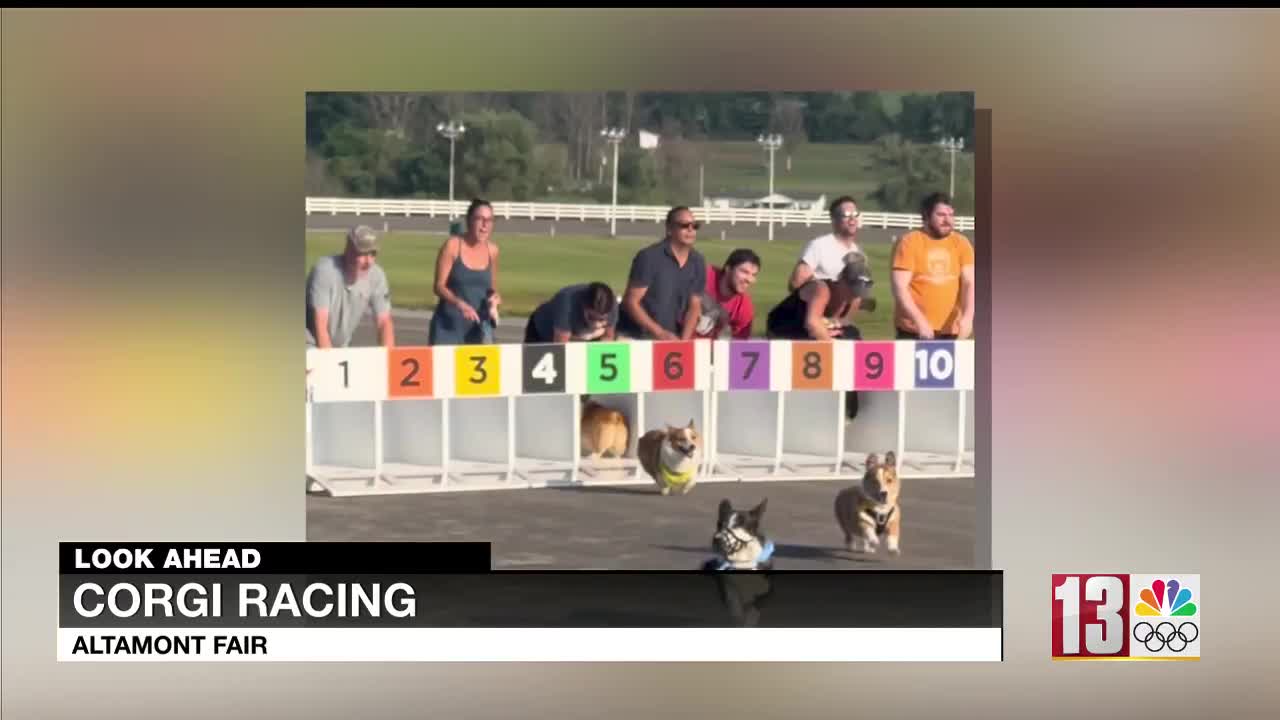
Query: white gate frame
x=449 y=475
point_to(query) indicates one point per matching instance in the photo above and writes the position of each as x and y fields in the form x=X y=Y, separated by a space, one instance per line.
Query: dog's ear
x=891 y=460
x=690 y=426
x=758 y=511
x=873 y=461
x=726 y=509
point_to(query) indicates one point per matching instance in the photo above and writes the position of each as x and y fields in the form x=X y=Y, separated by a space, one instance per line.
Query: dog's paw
x=665 y=491
x=893 y=547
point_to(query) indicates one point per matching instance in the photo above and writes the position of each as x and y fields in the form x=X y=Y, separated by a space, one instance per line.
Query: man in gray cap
x=340 y=288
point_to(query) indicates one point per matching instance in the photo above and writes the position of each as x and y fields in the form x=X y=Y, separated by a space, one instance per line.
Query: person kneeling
x=579 y=313
x=820 y=310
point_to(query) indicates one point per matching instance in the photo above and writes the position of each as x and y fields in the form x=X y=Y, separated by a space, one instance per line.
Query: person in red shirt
x=726 y=303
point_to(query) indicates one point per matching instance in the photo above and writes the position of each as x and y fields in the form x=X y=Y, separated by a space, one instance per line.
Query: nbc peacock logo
x=1166 y=616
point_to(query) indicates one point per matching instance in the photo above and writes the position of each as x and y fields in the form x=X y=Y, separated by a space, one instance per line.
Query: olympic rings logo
x=1175 y=638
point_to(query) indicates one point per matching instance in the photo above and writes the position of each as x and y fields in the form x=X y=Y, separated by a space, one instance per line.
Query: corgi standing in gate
x=604 y=430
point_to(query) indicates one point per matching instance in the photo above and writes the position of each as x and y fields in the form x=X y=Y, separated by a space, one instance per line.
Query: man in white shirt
x=824 y=257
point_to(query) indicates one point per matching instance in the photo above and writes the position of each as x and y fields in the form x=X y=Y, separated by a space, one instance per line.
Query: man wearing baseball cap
x=341 y=288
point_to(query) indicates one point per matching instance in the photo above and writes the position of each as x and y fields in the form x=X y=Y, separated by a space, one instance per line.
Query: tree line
x=547 y=146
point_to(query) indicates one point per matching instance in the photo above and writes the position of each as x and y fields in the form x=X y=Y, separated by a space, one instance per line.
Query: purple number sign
x=749 y=366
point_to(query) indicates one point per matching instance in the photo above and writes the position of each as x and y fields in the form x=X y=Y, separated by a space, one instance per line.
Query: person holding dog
x=933 y=285
x=726 y=303
x=575 y=313
x=823 y=258
x=664 y=288
x=818 y=311
x=341 y=288
x=467 y=283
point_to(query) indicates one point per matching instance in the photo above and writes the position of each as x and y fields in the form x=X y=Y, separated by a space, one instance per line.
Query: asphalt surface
x=635 y=528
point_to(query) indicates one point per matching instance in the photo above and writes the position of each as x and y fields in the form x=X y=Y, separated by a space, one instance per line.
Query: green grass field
x=833 y=169
x=741 y=169
x=533 y=267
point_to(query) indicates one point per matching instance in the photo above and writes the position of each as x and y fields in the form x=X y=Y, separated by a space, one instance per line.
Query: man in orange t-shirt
x=933 y=277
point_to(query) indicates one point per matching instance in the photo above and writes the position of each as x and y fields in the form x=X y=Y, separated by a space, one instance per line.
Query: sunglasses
x=687 y=225
x=845 y=215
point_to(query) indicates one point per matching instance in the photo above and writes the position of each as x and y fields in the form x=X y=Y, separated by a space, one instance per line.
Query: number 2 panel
x=544 y=368
x=409 y=372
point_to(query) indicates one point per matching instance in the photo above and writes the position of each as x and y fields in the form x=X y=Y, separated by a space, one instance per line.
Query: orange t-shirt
x=935 y=281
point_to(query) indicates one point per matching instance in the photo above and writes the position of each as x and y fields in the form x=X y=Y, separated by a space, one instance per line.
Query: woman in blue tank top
x=467 y=283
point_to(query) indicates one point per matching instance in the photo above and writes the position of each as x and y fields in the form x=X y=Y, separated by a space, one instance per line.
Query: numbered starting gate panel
x=544 y=369
x=463 y=371
x=346 y=374
x=874 y=365
x=409 y=373
x=744 y=365
x=812 y=365
x=609 y=368
x=934 y=365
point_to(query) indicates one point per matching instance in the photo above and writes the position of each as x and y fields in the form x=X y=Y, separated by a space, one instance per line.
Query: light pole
x=770 y=143
x=953 y=145
x=614 y=137
x=452 y=131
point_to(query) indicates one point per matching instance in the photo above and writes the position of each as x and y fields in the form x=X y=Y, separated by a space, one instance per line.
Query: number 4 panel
x=545 y=369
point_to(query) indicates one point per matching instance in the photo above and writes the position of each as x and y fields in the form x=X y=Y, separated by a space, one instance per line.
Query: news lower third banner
x=442 y=602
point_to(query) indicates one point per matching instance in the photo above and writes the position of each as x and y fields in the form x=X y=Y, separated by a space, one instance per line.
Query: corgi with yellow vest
x=671 y=456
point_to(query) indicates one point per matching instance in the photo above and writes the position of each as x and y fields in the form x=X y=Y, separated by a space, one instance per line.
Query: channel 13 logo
x=1126 y=617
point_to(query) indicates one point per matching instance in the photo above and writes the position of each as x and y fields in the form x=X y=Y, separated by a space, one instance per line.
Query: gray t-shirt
x=669 y=287
x=328 y=289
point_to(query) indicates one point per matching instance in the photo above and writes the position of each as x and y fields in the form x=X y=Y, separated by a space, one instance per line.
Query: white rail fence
x=583 y=212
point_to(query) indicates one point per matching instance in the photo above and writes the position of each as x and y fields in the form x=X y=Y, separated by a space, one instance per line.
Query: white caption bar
x=531 y=645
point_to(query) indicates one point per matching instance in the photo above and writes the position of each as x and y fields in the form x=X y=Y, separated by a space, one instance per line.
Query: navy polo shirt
x=669 y=287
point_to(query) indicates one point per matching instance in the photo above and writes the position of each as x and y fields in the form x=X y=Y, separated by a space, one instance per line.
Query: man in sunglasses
x=341 y=288
x=662 y=300
x=824 y=256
